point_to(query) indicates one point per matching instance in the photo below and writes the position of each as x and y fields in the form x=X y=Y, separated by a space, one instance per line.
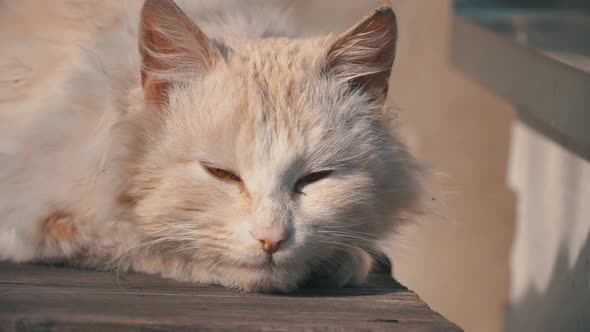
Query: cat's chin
x=271 y=276
x=266 y=277
x=263 y=280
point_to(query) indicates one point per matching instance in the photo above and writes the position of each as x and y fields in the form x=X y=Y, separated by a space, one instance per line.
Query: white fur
x=76 y=136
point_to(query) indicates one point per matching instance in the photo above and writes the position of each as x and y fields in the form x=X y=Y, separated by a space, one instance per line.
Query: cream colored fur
x=125 y=179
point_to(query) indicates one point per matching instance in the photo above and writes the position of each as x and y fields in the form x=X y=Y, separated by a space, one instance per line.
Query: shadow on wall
x=564 y=306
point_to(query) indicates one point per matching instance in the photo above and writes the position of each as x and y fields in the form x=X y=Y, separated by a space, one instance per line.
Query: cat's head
x=267 y=157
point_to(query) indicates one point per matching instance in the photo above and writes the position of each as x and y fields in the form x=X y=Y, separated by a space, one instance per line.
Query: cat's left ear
x=172 y=48
x=363 y=56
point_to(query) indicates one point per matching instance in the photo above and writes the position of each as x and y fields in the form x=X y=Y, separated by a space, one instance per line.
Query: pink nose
x=271 y=239
x=270 y=246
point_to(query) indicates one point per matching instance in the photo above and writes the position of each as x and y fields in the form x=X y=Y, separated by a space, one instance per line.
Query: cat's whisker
x=180 y=249
x=367 y=236
x=326 y=259
x=142 y=244
x=219 y=261
x=344 y=225
x=353 y=237
x=367 y=249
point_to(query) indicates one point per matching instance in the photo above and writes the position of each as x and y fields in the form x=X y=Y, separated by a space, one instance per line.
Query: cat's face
x=268 y=164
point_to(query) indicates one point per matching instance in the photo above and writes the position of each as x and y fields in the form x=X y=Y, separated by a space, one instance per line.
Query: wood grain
x=46 y=298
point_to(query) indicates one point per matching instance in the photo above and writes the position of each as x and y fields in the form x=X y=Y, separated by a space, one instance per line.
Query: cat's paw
x=347 y=269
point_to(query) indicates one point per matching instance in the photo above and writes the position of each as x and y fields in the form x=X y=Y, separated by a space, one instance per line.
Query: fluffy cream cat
x=218 y=152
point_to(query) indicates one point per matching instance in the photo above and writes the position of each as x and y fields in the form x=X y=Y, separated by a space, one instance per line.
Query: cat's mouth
x=269 y=264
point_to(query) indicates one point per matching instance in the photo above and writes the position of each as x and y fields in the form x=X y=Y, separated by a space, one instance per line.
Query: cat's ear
x=363 y=56
x=172 y=49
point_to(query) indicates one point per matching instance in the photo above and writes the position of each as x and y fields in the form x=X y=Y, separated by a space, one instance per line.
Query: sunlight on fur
x=212 y=147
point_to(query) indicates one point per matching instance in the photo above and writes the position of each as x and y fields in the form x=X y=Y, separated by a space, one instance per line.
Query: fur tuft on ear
x=172 y=48
x=363 y=56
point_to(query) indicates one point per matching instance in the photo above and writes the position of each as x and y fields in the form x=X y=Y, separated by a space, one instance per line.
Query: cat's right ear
x=172 y=49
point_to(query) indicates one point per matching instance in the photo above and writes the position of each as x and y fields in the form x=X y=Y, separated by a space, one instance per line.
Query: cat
x=225 y=150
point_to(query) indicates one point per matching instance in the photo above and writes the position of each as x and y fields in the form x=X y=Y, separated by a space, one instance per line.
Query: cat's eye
x=223 y=174
x=310 y=178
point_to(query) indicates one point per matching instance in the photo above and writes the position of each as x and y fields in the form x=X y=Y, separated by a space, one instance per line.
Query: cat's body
x=226 y=155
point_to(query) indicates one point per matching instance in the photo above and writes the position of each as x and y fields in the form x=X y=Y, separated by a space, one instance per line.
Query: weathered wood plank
x=45 y=298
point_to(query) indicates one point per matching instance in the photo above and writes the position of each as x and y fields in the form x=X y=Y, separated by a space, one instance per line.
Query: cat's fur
x=104 y=162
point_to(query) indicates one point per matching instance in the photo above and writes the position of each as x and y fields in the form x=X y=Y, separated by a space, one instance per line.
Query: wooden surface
x=46 y=298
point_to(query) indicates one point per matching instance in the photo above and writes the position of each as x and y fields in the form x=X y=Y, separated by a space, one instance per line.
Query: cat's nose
x=271 y=240
x=270 y=246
